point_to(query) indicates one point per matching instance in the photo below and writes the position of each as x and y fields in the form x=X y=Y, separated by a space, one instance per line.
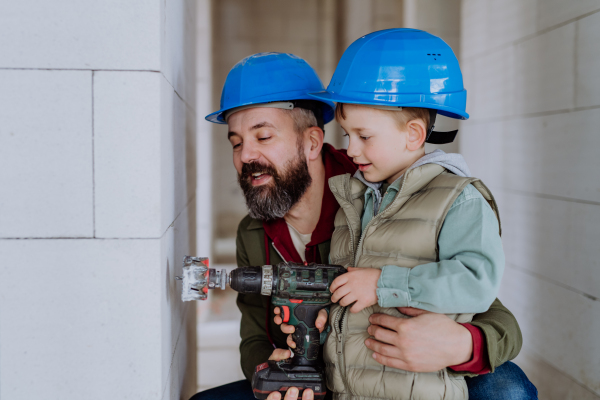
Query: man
x=276 y=133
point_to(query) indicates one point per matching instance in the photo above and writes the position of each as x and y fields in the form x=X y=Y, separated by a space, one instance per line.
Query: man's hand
x=292 y=393
x=358 y=286
x=426 y=343
x=289 y=329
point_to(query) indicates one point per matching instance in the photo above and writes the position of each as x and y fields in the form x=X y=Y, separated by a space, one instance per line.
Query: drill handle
x=306 y=335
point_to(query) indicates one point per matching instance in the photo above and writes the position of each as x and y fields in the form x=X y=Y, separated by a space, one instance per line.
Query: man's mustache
x=254 y=167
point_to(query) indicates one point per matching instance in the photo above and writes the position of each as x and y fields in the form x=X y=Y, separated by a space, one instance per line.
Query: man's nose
x=249 y=153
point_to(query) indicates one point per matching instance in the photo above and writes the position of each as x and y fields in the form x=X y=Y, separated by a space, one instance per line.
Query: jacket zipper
x=283 y=258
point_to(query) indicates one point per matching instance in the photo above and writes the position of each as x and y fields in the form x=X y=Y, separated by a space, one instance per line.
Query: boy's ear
x=417 y=133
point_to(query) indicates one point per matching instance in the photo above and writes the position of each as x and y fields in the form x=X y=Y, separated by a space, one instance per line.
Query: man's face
x=270 y=160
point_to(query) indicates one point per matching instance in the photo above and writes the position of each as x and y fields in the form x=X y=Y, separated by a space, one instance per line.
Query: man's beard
x=274 y=199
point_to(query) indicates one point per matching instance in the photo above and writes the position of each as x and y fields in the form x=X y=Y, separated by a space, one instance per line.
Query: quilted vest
x=404 y=234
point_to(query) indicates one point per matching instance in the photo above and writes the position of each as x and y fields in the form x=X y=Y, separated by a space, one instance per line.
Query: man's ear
x=417 y=133
x=315 y=136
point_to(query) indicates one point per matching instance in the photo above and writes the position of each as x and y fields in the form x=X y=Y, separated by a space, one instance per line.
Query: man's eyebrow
x=230 y=134
x=262 y=125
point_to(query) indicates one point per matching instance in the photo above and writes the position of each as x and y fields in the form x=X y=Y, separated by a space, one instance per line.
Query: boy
x=413 y=229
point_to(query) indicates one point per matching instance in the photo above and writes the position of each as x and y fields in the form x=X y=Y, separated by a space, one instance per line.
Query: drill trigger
x=285 y=311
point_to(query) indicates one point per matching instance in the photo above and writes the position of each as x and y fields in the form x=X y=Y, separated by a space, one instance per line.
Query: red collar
x=336 y=163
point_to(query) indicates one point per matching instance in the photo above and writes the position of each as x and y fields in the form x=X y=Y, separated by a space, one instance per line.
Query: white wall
x=530 y=69
x=97 y=199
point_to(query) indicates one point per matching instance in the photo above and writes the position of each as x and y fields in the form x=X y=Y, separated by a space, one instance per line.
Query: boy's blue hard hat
x=399 y=67
x=272 y=77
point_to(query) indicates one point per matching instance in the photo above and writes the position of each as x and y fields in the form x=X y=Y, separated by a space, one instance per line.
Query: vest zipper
x=338 y=326
x=362 y=235
x=340 y=318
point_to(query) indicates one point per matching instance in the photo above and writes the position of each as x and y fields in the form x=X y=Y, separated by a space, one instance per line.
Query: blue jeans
x=508 y=382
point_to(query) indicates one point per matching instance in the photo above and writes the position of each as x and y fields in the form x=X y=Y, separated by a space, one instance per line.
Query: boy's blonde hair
x=401 y=116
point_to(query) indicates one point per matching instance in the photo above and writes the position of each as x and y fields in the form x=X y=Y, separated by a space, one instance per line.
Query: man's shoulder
x=248 y=224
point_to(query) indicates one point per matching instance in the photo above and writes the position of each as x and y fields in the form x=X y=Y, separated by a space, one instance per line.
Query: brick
x=588 y=62
x=545 y=71
x=555 y=239
x=83 y=318
x=83 y=35
x=127 y=143
x=46 y=154
x=178 y=58
x=556 y=323
x=554 y=12
x=553 y=155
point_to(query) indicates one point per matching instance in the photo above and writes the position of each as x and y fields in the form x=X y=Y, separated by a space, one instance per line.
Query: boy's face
x=381 y=150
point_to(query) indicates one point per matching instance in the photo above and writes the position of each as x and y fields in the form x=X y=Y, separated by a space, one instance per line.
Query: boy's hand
x=358 y=286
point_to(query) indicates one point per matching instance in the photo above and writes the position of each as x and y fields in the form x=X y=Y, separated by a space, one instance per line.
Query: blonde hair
x=402 y=117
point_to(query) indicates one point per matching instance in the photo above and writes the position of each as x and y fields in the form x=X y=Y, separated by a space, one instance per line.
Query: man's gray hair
x=303 y=119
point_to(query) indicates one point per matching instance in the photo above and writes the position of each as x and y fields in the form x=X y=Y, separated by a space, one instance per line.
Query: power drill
x=300 y=291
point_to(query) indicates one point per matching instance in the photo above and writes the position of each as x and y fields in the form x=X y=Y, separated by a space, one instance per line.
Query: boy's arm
x=255 y=347
x=468 y=275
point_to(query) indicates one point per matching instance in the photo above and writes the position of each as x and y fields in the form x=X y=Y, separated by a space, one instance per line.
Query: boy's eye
x=262 y=139
x=345 y=134
x=365 y=137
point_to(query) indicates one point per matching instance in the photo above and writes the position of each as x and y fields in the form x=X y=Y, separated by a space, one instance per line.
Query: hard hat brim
x=432 y=101
x=218 y=117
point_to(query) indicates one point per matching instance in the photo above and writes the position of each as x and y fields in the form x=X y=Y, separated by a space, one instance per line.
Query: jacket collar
x=336 y=163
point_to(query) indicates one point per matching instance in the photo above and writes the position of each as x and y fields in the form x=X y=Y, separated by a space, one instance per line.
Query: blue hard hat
x=272 y=77
x=399 y=67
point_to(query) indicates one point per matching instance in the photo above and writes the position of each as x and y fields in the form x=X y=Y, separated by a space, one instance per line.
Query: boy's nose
x=353 y=150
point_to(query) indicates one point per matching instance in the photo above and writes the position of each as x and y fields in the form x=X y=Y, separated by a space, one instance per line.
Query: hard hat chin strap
x=435 y=137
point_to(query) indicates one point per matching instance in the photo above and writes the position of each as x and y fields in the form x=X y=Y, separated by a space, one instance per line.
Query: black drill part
x=246 y=280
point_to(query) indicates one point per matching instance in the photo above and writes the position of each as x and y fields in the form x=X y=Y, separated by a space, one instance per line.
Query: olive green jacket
x=500 y=328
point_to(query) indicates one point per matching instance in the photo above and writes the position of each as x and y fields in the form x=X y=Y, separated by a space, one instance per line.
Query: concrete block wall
x=530 y=69
x=98 y=201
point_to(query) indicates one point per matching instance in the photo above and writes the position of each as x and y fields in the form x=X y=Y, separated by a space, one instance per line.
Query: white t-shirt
x=300 y=241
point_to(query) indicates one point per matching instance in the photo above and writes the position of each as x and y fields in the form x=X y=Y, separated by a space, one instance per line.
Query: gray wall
x=97 y=189
x=531 y=71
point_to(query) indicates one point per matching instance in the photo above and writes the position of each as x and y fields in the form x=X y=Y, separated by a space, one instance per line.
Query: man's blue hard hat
x=272 y=77
x=400 y=68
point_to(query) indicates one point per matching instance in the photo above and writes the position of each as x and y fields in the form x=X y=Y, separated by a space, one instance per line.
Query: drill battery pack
x=273 y=376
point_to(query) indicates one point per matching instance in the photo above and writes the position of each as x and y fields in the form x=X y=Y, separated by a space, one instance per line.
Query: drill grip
x=306 y=335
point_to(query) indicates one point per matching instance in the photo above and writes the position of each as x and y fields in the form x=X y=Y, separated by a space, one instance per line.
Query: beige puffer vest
x=404 y=234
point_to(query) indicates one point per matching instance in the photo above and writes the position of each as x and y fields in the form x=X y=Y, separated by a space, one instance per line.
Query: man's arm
x=255 y=347
x=503 y=339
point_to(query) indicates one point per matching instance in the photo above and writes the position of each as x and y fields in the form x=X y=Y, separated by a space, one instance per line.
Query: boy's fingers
x=337 y=282
x=276 y=310
x=321 y=320
x=358 y=306
x=341 y=292
x=348 y=299
x=277 y=320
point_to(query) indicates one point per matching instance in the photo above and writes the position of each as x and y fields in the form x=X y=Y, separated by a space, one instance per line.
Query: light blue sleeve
x=468 y=275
